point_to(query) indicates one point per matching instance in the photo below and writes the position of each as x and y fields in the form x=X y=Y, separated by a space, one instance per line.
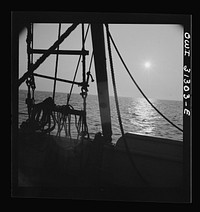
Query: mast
x=101 y=78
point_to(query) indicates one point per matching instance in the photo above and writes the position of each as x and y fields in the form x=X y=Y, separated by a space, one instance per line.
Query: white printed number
x=186 y=96
x=186 y=70
x=186 y=111
x=186 y=81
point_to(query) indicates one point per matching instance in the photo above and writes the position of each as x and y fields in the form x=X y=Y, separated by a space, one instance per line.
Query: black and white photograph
x=101 y=106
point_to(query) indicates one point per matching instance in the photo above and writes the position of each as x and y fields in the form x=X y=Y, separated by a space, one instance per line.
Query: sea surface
x=137 y=115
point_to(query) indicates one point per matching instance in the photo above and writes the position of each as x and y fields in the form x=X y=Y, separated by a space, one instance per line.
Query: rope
x=79 y=59
x=118 y=109
x=69 y=95
x=89 y=71
x=110 y=36
x=56 y=65
x=63 y=120
x=84 y=87
x=40 y=118
x=47 y=53
x=30 y=81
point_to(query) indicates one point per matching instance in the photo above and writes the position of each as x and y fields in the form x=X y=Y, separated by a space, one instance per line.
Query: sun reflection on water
x=143 y=116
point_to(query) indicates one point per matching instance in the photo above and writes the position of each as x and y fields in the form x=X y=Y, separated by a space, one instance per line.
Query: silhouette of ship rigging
x=138 y=167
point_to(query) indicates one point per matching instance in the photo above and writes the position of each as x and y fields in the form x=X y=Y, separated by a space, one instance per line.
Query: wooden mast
x=101 y=78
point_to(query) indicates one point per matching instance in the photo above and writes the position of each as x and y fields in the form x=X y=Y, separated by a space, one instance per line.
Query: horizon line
x=136 y=97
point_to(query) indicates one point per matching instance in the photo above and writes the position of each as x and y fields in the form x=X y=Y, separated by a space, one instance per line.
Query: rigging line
x=47 y=53
x=138 y=85
x=91 y=62
x=32 y=41
x=68 y=98
x=79 y=59
x=83 y=56
x=118 y=109
x=56 y=66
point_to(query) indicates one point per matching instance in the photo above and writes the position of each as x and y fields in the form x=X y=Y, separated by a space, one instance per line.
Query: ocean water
x=137 y=115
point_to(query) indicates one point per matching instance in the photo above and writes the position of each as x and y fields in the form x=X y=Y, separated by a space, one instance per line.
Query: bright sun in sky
x=147 y=64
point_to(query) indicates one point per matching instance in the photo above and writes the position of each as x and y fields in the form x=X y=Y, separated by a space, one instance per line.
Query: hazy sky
x=153 y=54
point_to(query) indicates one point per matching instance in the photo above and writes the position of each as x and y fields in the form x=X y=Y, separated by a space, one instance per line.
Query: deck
x=61 y=167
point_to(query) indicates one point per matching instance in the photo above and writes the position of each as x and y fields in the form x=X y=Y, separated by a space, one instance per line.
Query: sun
x=147 y=64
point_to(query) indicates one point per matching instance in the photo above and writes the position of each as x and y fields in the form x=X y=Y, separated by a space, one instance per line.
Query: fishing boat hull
x=158 y=162
x=94 y=169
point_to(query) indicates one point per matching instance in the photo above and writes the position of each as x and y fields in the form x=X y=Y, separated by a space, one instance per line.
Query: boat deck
x=50 y=161
x=62 y=167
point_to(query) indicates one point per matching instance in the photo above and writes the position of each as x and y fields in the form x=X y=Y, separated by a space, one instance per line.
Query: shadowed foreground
x=50 y=166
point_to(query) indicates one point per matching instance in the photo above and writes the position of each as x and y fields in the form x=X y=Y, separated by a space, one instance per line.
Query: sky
x=153 y=54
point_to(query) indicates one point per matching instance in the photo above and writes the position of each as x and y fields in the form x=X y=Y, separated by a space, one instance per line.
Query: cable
x=56 y=65
x=46 y=54
x=77 y=67
x=110 y=36
x=118 y=109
